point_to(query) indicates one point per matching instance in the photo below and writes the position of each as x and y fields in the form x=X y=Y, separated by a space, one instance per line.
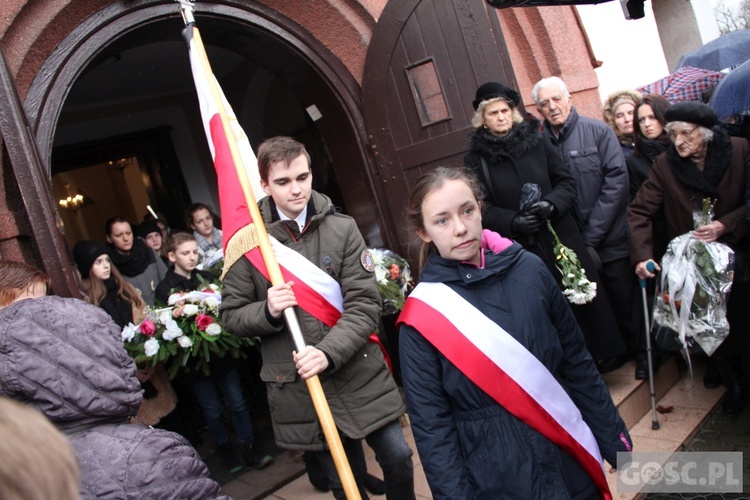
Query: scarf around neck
x=133 y=263
x=206 y=244
x=717 y=162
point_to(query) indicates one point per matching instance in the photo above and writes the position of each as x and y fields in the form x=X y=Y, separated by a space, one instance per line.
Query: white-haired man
x=592 y=152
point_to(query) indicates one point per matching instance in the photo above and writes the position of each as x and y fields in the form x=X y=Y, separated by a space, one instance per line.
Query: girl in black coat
x=650 y=139
x=106 y=288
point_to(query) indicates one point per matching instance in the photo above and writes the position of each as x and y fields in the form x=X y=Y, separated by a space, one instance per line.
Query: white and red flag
x=218 y=142
x=316 y=292
x=244 y=232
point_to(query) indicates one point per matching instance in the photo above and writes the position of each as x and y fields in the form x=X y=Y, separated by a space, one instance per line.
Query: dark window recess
x=428 y=96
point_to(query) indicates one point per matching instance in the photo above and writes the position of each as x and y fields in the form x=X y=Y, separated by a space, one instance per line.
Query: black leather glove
x=526 y=223
x=543 y=209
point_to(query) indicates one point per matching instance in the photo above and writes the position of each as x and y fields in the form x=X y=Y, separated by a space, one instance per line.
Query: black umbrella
x=724 y=52
x=732 y=95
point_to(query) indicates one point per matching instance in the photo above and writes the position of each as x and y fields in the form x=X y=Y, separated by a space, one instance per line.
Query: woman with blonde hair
x=619 y=113
x=38 y=461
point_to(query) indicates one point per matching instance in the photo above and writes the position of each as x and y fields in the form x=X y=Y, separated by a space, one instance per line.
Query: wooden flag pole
x=313 y=383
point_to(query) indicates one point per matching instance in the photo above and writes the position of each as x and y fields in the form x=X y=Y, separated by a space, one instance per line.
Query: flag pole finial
x=186 y=9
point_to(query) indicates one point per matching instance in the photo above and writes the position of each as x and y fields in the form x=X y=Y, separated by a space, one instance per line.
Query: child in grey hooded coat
x=65 y=358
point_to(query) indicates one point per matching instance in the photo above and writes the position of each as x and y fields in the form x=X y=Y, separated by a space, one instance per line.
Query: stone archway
x=326 y=83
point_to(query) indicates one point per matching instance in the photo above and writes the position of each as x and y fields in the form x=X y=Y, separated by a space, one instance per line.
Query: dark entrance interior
x=136 y=102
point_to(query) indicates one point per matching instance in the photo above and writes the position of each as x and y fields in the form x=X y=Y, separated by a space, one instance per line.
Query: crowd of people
x=487 y=338
x=588 y=173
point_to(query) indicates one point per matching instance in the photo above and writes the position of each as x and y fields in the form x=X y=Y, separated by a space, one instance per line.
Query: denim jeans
x=207 y=393
x=392 y=453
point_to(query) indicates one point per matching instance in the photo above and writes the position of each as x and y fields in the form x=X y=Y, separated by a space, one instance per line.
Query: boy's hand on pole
x=310 y=362
x=280 y=297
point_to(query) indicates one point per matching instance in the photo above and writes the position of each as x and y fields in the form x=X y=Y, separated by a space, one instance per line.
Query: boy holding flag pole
x=329 y=280
x=340 y=318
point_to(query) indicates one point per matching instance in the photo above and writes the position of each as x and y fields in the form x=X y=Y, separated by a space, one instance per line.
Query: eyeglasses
x=673 y=134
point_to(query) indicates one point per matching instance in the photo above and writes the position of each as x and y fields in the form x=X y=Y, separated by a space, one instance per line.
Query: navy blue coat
x=469 y=445
x=592 y=152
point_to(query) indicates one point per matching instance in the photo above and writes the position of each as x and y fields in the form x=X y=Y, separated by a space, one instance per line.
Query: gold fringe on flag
x=238 y=245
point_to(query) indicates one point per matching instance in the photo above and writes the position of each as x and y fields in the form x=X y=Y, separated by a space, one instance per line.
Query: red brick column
x=551 y=41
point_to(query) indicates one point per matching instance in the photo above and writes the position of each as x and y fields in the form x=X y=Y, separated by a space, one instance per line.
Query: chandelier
x=73 y=202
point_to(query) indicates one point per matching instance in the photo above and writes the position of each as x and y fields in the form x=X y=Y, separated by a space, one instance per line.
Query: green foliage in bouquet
x=185 y=336
x=393 y=277
x=213 y=266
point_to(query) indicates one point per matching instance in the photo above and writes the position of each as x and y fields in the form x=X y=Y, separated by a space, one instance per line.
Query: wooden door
x=424 y=64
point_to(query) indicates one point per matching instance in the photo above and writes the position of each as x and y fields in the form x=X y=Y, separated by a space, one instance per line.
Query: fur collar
x=718 y=161
x=521 y=139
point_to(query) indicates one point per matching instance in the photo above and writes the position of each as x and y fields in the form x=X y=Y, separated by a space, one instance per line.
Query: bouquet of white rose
x=576 y=286
x=185 y=335
x=693 y=289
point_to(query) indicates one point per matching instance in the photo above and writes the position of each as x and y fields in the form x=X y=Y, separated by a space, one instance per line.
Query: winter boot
x=315 y=472
x=374 y=485
x=731 y=372
x=229 y=459
x=254 y=456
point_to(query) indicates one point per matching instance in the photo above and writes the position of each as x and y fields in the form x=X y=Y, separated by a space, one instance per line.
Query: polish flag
x=316 y=292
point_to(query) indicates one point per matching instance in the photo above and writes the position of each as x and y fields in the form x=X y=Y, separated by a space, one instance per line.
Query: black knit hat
x=147 y=227
x=493 y=90
x=86 y=252
x=691 y=112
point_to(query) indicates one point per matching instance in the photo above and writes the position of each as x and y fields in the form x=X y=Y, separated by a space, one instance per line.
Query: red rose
x=202 y=321
x=394 y=271
x=207 y=290
x=147 y=328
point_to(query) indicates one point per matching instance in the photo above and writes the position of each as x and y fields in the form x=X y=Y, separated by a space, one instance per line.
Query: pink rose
x=202 y=321
x=177 y=312
x=147 y=328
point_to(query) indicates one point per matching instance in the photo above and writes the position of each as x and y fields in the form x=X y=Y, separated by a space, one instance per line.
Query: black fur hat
x=493 y=90
x=691 y=112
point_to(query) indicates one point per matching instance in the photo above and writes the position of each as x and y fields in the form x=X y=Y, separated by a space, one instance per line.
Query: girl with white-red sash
x=504 y=399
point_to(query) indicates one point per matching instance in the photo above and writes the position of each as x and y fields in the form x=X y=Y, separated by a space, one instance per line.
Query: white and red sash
x=504 y=369
x=317 y=293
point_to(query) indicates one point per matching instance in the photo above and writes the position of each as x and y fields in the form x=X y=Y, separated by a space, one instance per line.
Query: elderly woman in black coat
x=508 y=152
x=702 y=162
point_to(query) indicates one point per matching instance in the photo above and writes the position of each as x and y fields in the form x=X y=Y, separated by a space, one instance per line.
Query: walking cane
x=655 y=421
